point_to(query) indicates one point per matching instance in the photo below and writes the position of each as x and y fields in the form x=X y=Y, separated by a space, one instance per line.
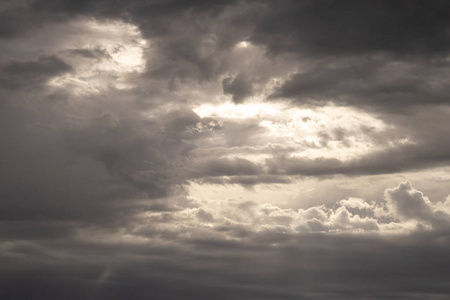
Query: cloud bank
x=224 y=150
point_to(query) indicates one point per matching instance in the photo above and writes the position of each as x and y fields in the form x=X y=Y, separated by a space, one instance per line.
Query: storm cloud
x=224 y=149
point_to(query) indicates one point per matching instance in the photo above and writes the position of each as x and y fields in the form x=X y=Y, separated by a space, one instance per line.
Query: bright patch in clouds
x=403 y=209
x=338 y=132
x=103 y=54
x=246 y=150
x=238 y=111
x=243 y=44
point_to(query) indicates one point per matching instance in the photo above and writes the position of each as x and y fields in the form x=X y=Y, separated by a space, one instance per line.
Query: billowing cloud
x=404 y=209
x=204 y=248
x=224 y=149
x=408 y=203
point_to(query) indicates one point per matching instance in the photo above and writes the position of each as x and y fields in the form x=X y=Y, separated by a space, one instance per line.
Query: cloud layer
x=224 y=150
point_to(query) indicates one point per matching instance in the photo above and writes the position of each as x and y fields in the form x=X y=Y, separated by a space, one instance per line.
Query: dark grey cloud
x=186 y=32
x=162 y=8
x=16 y=19
x=313 y=267
x=89 y=53
x=352 y=27
x=136 y=149
x=97 y=169
x=226 y=167
x=239 y=87
x=24 y=74
x=383 y=83
x=7 y=26
x=402 y=158
x=91 y=165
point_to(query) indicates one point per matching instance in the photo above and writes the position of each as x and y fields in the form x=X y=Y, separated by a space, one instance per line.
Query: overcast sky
x=224 y=149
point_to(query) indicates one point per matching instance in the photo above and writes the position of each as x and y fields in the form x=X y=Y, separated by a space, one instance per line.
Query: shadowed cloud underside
x=224 y=149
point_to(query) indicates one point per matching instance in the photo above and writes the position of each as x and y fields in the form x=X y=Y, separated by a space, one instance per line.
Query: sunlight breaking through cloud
x=103 y=55
x=256 y=150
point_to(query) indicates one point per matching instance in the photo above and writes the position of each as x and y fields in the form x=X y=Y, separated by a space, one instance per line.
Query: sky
x=257 y=150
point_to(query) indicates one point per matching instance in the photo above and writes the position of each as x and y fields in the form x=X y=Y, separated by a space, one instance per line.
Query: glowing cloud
x=103 y=54
x=338 y=132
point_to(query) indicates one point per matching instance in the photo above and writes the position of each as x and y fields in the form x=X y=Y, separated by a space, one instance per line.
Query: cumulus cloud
x=224 y=149
x=404 y=210
x=408 y=203
x=257 y=243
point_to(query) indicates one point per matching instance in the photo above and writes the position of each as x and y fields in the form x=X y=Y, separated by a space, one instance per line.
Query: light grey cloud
x=224 y=150
x=408 y=203
x=404 y=210
x=268 y=261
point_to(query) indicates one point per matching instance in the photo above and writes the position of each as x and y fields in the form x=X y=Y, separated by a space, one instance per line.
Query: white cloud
x=103 y=55
x=405 y=210
x=407 y=203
